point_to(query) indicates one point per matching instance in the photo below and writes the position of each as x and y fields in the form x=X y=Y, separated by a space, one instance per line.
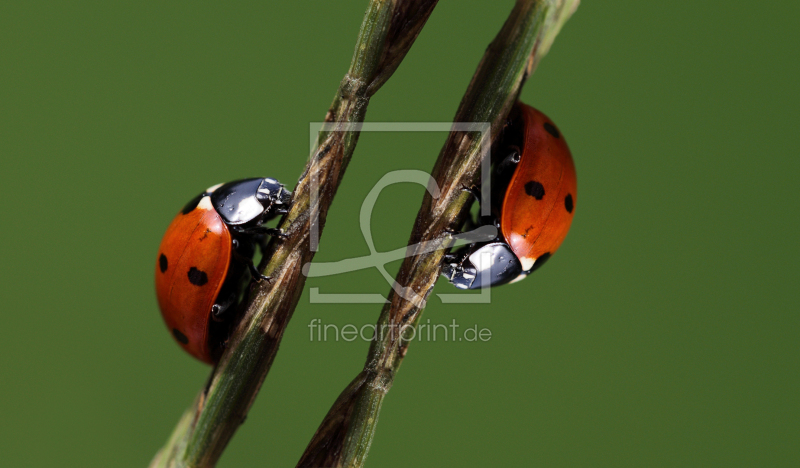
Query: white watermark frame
x=379 y=259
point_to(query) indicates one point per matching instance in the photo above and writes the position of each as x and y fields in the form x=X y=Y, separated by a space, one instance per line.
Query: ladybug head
x=271 y=192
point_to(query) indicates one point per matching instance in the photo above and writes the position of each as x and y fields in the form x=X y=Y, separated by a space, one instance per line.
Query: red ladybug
x=534 y=191
x=204 y=256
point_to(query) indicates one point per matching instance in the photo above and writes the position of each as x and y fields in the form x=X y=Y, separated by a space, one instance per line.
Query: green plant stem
x=387 y=32
x=345 y=435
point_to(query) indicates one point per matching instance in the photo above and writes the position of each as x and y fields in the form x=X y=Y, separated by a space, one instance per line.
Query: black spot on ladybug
x=551 y=129
x=535 y=189
x=192 y=204
x=568 y=203
x=162 y=263
x=197 y=277
x=180 y=336
x=540 y=261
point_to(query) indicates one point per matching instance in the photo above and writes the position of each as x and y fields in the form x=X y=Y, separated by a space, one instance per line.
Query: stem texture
x=346 y=433
x=387 y=32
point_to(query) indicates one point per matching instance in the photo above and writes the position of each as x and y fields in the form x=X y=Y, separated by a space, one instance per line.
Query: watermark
x=433 y=332
x=377 y=259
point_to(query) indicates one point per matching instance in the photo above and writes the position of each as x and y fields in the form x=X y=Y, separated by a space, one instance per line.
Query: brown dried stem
x=387 y=33
x=345 y=435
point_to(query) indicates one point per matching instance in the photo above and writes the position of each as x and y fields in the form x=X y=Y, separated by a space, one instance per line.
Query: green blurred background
x=664 y=333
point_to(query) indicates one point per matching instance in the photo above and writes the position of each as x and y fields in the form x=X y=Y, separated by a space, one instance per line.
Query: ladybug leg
x=450 y=258
x=262 y=241
x=248 y=261
x=471 y=223
x=254 y=271
x=256 y=274
x=475 y=190
x=456 y=258
x=452 y=232
x=219 y=309
x=274 y=232
x=510 y=161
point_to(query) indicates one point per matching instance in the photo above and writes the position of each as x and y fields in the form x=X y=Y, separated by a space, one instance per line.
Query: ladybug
x=534 y=191
x=205 y=256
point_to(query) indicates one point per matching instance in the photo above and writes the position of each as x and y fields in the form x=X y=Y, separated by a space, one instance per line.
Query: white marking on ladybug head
x=205 y=204
x=527 y=263
x=213 y=187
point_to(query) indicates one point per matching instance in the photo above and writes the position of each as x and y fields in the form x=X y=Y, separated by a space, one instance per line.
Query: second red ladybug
x=204 y=258
x=534 y=193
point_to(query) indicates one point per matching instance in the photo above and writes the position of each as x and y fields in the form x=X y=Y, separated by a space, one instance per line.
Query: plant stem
x=387 y=32
x=345 y=435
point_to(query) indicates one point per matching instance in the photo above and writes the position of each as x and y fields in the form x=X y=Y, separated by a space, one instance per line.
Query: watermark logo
x=432 y=332
x=377 y=259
